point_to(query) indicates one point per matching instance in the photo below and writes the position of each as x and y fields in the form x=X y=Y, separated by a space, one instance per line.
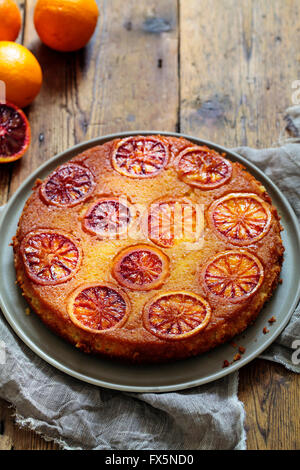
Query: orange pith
x=140 y=157
x=50 y=257
x=108 y=217
x=242 y=218
x=203 y=167
x=176 y=315
x=141 y=267
x=67 y=186
x=15 y=133
x=98 y=307
x=172 y=221
x=233 y=275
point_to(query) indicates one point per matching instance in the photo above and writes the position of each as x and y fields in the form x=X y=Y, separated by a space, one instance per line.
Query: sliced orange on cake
x=141 y=267
x=240 y=218
x=50 y=257
x=172 y=221
x=203 y=168
x=98 y=307
x=67 y=186
x=233 y=275
x=140 y=157
x=108 y=217
x=176 y=315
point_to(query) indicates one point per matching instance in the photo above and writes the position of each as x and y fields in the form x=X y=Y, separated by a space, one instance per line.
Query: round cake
x=148 y=249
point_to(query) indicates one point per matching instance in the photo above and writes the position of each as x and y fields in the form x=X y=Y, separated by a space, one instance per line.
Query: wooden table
x=218 y=69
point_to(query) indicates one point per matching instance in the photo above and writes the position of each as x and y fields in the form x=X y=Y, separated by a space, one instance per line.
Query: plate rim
x=163 y=388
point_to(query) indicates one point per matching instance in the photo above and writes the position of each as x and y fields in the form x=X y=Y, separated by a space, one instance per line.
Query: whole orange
x=65 y=25
x=21 y=73
x=10 y=23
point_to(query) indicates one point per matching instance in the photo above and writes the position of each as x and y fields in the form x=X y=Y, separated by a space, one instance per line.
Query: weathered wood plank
x=5 y=443
x=14 y=438
x=270 y=394
x=238 y=62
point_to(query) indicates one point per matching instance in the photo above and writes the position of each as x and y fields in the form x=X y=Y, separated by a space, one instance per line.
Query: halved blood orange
x=50 y=257
x=171 y=221
x=140 y=157
x=203 y=167
x=15 y=133
x=141 y=267
x=233 y=275
x=240 y=218
x=176 y=315
x=67 y=186
x=108 y=217
x=98 y=307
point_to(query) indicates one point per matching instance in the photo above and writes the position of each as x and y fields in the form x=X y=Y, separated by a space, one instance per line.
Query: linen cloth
x=81 y=416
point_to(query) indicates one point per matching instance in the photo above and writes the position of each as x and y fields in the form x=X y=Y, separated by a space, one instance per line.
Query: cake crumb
x=233 y=344
x=225 y=363
x=272 y=320
x=280 y=281
x=237 y=357
x=242 y=349
x=27 y=311
x=265 y=330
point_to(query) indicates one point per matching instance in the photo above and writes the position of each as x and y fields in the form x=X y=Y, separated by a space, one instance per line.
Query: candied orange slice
x=67 y=186
x=233 y=275
x=240 y=218
x=140 y=157
x=172 y=221
x=141 y=267
x=203 y=167
x=50 y=257
x=98 y=307
x=176 y=315
x=108 y=217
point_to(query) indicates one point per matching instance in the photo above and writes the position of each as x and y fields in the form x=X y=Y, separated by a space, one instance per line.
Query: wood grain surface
x=217 y=69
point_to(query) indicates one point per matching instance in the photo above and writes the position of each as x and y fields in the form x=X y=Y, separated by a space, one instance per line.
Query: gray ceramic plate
x=150 y=378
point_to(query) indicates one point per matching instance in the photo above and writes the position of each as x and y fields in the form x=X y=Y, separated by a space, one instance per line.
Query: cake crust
x=133 y=341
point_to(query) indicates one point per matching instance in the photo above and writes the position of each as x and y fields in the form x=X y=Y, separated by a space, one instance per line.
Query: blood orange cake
x=148 y=249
